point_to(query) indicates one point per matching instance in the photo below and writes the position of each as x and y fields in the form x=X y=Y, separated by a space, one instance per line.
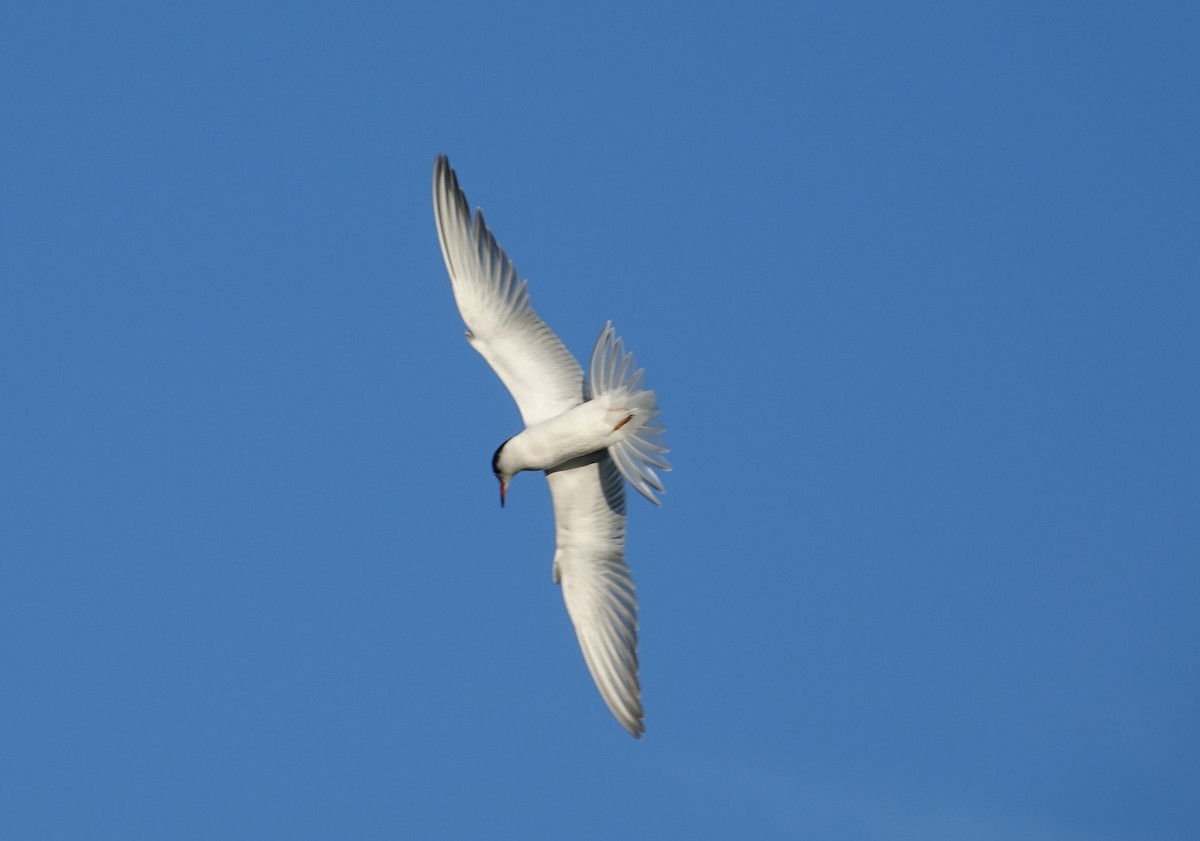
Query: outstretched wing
x=589 y=562
x=541 y=374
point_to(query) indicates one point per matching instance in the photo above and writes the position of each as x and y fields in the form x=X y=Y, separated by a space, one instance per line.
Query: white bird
x=585 y=435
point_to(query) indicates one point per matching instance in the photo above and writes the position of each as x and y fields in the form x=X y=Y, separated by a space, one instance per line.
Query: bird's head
x=501 y=470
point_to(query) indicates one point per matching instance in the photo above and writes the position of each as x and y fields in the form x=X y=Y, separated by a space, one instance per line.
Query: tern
x=585 y=434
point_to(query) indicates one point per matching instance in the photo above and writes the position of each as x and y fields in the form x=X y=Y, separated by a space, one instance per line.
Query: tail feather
x=613 y=371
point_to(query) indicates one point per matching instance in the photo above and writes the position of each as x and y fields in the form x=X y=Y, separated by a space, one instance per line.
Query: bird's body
x=587 y=436
x=591 y=426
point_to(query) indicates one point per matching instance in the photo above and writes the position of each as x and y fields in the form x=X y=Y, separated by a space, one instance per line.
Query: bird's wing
x=589 y=562
x=541 y=374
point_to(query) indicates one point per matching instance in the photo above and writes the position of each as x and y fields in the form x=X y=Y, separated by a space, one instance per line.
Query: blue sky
x=918 y=287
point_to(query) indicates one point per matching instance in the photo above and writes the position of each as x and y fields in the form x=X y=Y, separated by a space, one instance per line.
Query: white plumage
x=584 y=435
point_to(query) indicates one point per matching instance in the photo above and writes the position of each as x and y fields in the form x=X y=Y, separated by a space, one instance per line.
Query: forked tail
x=614 y=373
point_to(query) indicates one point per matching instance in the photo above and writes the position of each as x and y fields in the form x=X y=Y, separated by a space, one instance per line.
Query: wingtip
x=445 y=180
x=632 y=722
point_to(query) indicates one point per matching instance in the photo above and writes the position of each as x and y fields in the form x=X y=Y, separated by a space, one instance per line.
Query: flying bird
x=589 y=436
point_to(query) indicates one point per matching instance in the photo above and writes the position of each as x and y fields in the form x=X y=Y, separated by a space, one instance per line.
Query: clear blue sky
x=919 y=290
